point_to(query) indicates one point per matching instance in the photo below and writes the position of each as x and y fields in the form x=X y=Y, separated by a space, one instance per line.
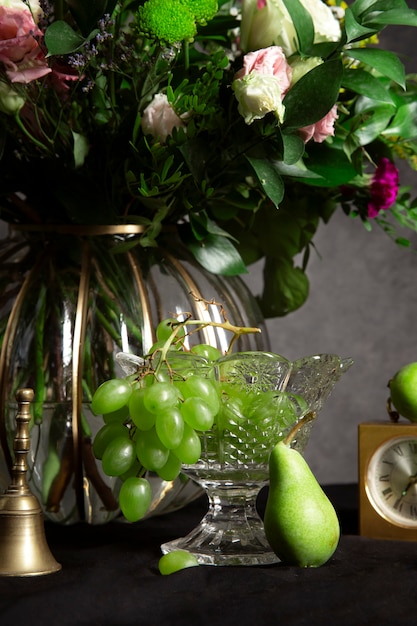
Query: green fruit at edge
x=403 y=389
x=300 y=522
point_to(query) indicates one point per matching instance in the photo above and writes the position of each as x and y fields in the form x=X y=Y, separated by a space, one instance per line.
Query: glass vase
x=263 y=396
x=71 y=298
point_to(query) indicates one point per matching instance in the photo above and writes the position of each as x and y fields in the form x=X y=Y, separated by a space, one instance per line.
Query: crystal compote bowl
x=263 y=396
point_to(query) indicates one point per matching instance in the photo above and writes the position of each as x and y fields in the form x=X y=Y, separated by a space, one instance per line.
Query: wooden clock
x=388 y=480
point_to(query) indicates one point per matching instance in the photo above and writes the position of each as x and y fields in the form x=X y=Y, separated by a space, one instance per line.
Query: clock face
x=391 y=481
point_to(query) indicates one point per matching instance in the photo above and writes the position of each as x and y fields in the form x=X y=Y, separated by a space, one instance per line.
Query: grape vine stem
x=236 y=331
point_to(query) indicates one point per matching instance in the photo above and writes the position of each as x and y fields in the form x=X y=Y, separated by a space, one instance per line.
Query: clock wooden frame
x=371 y=436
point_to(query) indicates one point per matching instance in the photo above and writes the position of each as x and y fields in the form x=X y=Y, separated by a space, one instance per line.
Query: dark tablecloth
x=109 y=577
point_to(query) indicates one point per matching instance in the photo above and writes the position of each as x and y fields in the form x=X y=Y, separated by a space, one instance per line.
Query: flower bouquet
x=226 y=134
x=245 y=123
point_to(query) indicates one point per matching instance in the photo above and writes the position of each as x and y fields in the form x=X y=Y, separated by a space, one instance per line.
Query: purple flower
x=384 y=187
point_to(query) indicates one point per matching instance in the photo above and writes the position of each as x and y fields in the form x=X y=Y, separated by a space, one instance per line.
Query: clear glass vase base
x=231 y=532
x=211 y=548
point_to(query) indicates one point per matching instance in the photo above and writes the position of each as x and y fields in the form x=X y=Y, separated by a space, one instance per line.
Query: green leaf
x=404 y=123
x=362 y=8
x=286 y=288
x=303 y=24
x=269 y=178
x=367 y=126
x=60 y=38
x=354 y=30
x=201 y=226
x=293 y=148
x=332 y=165
x=398 y=17
x=363 y=83
x=218 y=255
x=81 y=147
x=385 y=62
x=87 y=13
x=319 y=86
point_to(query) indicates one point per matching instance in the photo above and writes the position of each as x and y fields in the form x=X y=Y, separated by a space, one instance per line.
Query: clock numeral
x=384 y=478
x=413 y=447
x=387 y=493
x=398 y=450
x=413 y=511
x=398 y=505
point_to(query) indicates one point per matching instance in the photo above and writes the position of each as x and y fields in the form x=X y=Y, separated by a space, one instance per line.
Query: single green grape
x=204 y=388
x=150 y=450
x=169 y=425
x=119 y=456
x=208 y=352
x=105 y=435
x=172 y=468
x=141 y=417
x=189 y=450
x=135 y=498
x=133 y=470
x=165 y=329
x=120 y=415
x=197 y=413
x=111 y=396
x=160 y=396
x=175 y=561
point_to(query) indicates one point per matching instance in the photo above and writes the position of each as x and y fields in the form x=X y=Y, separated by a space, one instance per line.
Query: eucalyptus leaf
x=60 y=38
x=385 y=62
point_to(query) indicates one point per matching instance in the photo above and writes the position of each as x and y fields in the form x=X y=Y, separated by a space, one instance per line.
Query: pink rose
x=159 y=118
x=384 y=187
x=270 y=62
x=262 y=83
x=20 y=52
x=321 y=129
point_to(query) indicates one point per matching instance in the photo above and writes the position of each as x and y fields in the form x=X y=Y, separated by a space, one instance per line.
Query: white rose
x=302 y=66
x=10 y=101
x=257 y=95
x=18 y=5
x=267 y=22
x=159 y=118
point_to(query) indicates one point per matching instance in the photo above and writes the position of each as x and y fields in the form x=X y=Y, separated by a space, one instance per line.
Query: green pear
x=300 y=522
x=403 y=389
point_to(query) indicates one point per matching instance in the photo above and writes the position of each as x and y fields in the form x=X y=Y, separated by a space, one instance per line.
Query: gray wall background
x=362 y=304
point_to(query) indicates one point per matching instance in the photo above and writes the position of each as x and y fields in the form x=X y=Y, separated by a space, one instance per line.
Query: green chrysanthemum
x=202 y=10
x=175 y=20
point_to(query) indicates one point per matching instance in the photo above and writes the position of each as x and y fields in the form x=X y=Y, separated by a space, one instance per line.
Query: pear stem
x=308 y=417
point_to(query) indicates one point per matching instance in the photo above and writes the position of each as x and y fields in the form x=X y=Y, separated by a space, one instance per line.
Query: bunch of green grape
x=152 y=419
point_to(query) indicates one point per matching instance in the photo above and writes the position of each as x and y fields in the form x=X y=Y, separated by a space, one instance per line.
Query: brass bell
x=23 y=547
